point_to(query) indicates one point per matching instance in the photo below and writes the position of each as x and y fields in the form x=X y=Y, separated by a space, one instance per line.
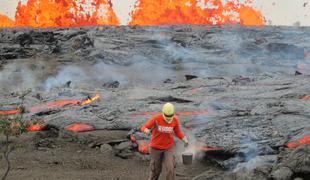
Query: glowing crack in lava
x=306 y=97
x=159 y=12
x=36 y=127
x=64 y=13
x=304 y=140
x=53 y=105
x=10 y=111
x=79 y=127
x=89 y=100
x=61 y=103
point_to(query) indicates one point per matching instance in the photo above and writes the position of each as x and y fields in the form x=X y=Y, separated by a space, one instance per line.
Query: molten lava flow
x=150 y=12
x=306 y=98
x=6 y=21
x=90 y=100
x=52 y=105
x=55 y=13
x=61 y=103
x=79 y=127
x=10 y=111
x=304 y=140
x=181 y=113
x=35 y=127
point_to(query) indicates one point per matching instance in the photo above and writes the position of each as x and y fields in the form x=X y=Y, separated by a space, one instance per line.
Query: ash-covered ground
x=249 y=80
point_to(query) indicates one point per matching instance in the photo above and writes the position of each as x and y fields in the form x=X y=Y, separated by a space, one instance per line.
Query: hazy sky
x=276 y=12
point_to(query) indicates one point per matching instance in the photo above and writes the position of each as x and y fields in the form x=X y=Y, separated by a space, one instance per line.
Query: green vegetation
x=11 y=125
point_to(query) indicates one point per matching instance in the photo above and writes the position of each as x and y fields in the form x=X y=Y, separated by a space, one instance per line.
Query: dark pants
x=161 y=158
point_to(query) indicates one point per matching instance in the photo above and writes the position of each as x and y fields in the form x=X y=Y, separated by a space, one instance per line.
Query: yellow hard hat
x=168 y=112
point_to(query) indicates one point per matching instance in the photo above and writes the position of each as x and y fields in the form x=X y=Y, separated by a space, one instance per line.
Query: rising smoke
x=226 y=53
x=17 y=77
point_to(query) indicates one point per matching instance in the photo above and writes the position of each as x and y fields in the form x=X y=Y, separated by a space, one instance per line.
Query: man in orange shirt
x=164 y=126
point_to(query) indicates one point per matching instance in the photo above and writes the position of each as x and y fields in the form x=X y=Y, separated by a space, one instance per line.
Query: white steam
x=66 y=74
x=17 y=77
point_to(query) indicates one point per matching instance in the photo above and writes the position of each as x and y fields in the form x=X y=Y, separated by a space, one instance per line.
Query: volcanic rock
x=117 y=141
x=282 y=173
x=167 y=99
x=82 y=41
x=298 y=73
x=189 y=77
x=286 y=50
x=143 y=157
x=247 y=87
x=297 y=161
x=168 y=81
x=49 y=143
x=24 y=39
x=124 y=145
x=92 y=144
x=106 y=148
x=125 y=154
x=211 y=175
x=111 y=84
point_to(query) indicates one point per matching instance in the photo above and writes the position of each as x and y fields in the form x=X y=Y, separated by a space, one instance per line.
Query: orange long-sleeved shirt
x=163 y=133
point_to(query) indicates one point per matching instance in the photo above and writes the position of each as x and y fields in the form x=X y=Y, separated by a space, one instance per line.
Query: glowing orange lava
x=52 y=105
x=10 y=111
x=150 y=12
x=304 y=140
x=306 y=97
x=90 y=100
x=61 y=103
x=35 y=127
x=63 y=13
x=79 y=127
x=6 y=21
x=68 y=13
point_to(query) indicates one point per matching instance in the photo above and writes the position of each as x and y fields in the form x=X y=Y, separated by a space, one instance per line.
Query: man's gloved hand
x=185 y=141
x=147 y=131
